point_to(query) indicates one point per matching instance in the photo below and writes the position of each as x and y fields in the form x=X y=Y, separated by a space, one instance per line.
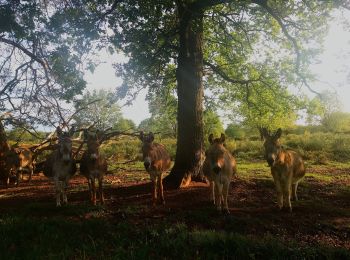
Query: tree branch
x=28 y=53
x=226 y=77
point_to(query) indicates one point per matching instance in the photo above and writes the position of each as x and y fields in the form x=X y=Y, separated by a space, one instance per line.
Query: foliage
x=43 y=48
x=336 y=122
x=100 y=109
x=212 y=123
x=321 y=107
x=235 y=131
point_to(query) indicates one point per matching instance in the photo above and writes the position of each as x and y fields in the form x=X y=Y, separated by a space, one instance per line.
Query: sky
x=332 y=72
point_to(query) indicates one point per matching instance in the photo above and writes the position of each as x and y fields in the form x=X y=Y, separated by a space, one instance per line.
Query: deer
x=287 y=168
x=60 y=165
x=93 y=165
x=156 y=161
x=9 y=161
x=219 y=166
x=26 y=162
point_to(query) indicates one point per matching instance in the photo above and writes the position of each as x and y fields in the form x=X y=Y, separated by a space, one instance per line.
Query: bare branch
x=43 y=63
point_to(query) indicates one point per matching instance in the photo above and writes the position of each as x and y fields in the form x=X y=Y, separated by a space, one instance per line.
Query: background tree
x=212 y=124
x=42 y=53
x=246 y=48
x=98 y=108
x=243 y=49
x=324 y=105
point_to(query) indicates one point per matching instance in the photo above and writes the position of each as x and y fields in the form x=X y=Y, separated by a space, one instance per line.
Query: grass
x=39 y=230
x=57 y=238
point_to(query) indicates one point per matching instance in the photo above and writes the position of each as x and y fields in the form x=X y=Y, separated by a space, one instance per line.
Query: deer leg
x=225 y=194
x=30 y=174
x=64 y=191
x=287 y=190
x=212 y=192
x=58 y=192
x=100 y=191
x=19 y=176
x=279 y=191
x=218 y=195
x=7 y=180
x=160 y=189
x=93 y=189
x=294 y=191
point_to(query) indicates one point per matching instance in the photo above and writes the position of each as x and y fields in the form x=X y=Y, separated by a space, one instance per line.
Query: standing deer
x=25 y=156
x=93 y=165
x=9 y=161
x=60 y=165
x=156 y=160
x=219 y=167
x=287 y=168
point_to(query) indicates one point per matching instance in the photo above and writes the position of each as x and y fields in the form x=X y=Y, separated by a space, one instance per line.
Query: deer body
x=25 y=156
x=9 y=161
x=93 y=166
x=287 y=168
x=219 y=167
x=60 y=166
x=156 y=161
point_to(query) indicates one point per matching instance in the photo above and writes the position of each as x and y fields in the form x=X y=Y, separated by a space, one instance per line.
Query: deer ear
x=141 y=135
x=278 y=133
x=263 y=133
x=72 y=130
x=210 y=138
x=151 y=137
x=222 y=138
x=86 y=134
x=59 y=131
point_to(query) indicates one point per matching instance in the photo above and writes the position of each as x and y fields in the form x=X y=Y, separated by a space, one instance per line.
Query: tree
x=100 y=110
x=336 y=122
x=245 y=47
x=326 y=104
x=212 y=124
x=41 y=59
x=235 y=131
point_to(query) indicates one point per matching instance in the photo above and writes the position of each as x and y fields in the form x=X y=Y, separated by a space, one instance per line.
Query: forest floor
x=320 y=219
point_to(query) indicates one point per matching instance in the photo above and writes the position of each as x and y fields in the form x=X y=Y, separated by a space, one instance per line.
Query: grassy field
x=187 y=227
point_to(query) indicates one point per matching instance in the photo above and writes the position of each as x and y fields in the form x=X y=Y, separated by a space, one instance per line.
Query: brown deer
x=93 y=165
x=287 y=168
x=9 y=161
x=219 y=166
x=156 y=160
x=26 y=159
x=60 y=165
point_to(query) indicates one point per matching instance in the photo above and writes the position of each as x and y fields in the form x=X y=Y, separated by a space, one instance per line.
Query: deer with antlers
x=60 y=165
x=287 y=168
x=219 y=166
x=156 y=160
x=93 y=165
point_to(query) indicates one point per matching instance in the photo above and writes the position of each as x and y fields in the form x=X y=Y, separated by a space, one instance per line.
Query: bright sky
x=333 y=72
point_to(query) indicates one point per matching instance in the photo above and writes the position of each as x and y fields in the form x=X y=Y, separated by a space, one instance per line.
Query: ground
x=320 y=218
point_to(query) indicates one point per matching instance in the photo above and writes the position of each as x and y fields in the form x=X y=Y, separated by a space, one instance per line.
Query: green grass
x=57 y=238
x=39 y=230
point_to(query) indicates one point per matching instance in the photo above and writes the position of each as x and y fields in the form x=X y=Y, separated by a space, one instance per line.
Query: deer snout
x=93 y=156
x=147 y=163
x=270 y=159
x=216 y=169
x=66 y=158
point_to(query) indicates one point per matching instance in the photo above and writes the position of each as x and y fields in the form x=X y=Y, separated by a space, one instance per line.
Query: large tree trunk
x=190 y=99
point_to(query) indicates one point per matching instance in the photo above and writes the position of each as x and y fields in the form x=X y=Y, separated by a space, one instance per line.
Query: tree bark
x=190 y=99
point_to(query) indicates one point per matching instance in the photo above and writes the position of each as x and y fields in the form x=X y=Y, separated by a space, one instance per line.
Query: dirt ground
x=317 y=219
